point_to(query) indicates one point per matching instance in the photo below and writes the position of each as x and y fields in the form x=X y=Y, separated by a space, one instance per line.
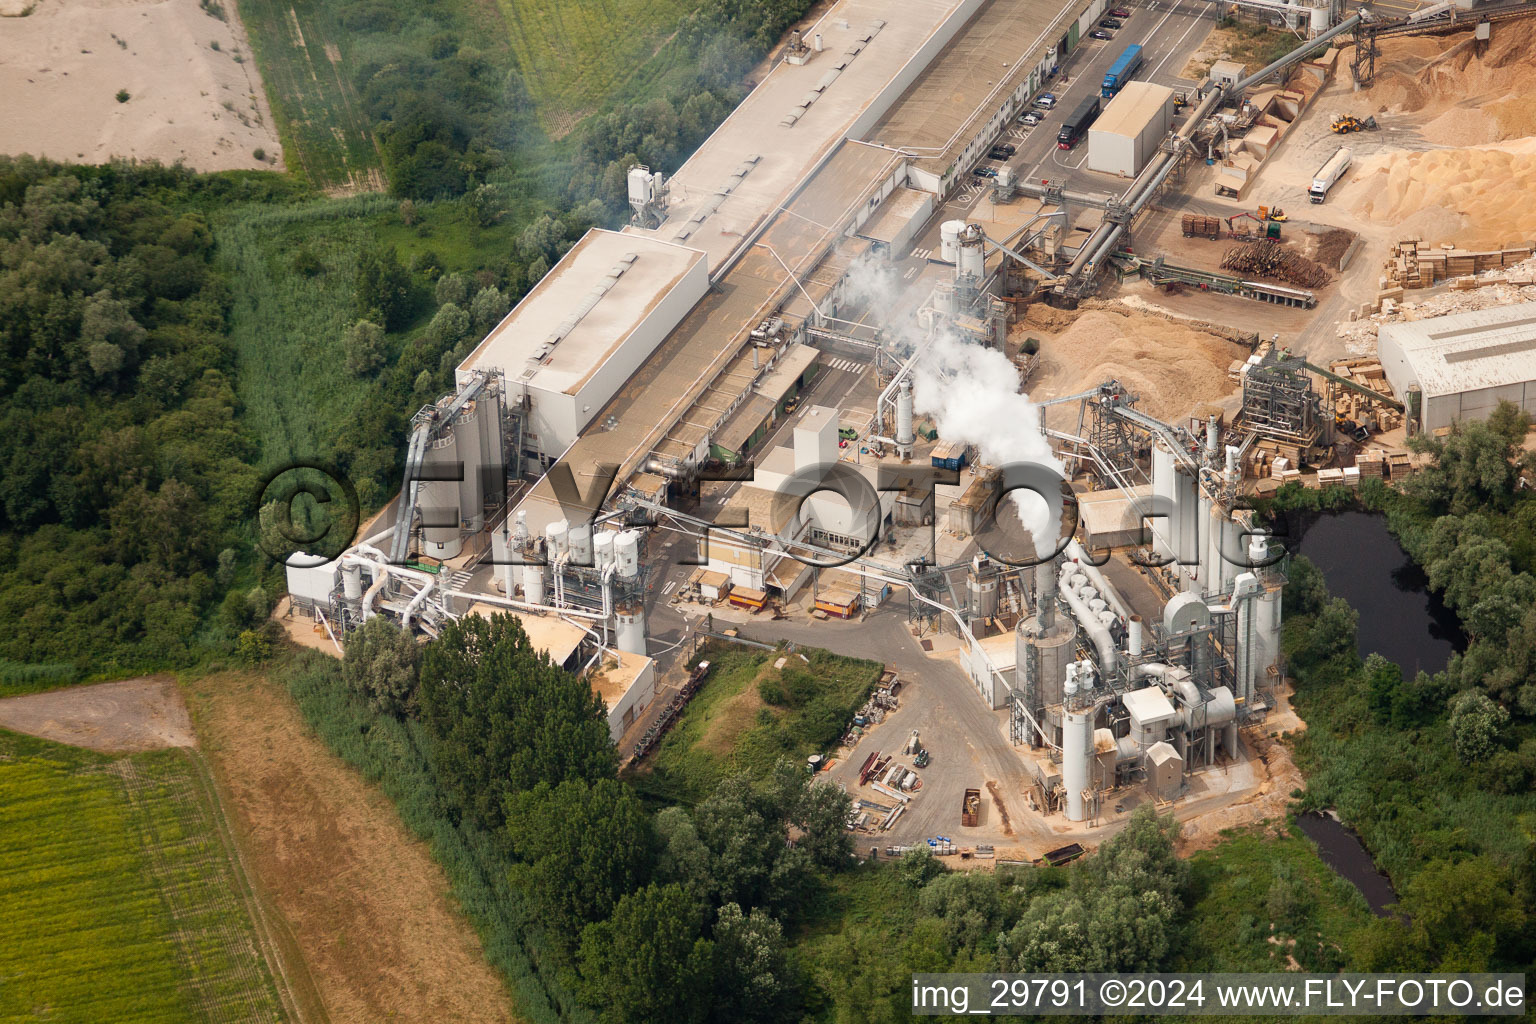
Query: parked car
x=1001 y=152
x=1119 y=12
x=1099 y=33
x=1110 y=23
x=1032 y=118
x=984 y=172
x=1046 y=100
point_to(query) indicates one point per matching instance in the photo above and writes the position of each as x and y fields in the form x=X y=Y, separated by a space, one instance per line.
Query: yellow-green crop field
x=576 y=54
x=118 y=899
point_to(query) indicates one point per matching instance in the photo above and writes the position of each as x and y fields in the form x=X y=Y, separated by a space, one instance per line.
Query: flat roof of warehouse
x=747 y=169
x=942 y=110
x=1129 y=112
x=618 y=279
x=1486 y=348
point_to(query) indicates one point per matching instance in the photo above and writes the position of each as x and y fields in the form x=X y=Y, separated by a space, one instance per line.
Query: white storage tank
x=1076 y=754
x=602 y=548
x=579 y=538
x=949 y=240
x=533 y=583
x=629 y=627
x=439 y=499
x=626 y=553
x=972 y=253
x=556 y=534
x=352 y=583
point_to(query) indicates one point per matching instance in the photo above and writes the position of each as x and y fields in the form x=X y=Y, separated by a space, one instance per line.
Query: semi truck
x=1121 y=71
x=1329 y=174
x=1077 y=123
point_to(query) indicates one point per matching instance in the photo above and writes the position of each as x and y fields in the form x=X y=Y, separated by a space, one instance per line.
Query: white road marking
x=922 y=254
x=910 y=274
x=668 y=588
x=1172 y=50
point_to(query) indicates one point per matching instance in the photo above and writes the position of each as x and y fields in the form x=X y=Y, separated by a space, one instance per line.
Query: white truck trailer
x=1329 y=174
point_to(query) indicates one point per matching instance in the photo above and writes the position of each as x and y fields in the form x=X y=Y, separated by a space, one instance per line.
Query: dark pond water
x=1342 y=851
x=1399 y=617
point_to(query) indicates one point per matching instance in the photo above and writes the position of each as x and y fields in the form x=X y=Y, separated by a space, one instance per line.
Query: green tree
x=487 y=309
x=504 y=719
x=364 y=342
x=449 y=326
x=381 y=664
x=382 y=288
x=452 y=288
x=583 y=846
x=1462 y=911
x=649 y=963
x=1475 y=725
x=752 y=981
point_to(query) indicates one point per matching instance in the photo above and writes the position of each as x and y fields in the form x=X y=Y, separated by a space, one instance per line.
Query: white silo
x=1076 y=749
x=557 y=535
x=972 y=259
x=629 y=626
x=533 y=583
x=352 y=583
x=626 y=553
x=468 y=432
x=1165 y=490
x=602 y=548
x=905 y=435
x=580 y=539
x=504 y=552
x=438 y=498
x=949 y=240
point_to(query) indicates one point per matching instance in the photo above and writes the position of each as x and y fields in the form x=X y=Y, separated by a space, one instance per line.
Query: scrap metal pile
x=1272 y=258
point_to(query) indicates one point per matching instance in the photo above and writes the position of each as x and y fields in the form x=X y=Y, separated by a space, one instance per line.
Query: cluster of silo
x=462 y=467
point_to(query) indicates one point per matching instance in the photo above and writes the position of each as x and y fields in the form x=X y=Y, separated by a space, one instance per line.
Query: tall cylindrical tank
x=972 y=253
x=352 y=583
x=1190 y=522
x=1165 y=490
x=629 y=627
x=602 y=548
x=533 y=583
x=1266 y=635
x=1076 y=755
x=949 y=240
x=1133 y=636
x=520 y=531
x=1229 y=551
x=439 y=499
x=468 y=432
x=639 y=180
x=626 y=553
x=504 y=552
x=981 y=586
x=1041 y=655
x=905 y=434
x=1320 y=19
x=557 y=534
x=579 y=537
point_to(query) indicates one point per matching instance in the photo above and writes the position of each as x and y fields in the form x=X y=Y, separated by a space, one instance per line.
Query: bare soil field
x=362 y=898
x=124 y=717
x=192 y=89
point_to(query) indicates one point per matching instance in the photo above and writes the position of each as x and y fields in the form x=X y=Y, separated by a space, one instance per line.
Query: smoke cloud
x=971 y=392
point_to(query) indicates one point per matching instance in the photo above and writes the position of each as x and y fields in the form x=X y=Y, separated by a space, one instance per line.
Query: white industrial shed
x=1129 y=131
x=1465 y=363
x=586 y=327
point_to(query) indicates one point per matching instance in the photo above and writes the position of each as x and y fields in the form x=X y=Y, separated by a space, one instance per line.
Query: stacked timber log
x=1415 y=264
x=1271 y=258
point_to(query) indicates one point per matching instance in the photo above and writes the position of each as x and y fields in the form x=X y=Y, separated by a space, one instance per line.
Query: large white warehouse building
x=1463 y=364
x=1131 y=128
x=585 y=329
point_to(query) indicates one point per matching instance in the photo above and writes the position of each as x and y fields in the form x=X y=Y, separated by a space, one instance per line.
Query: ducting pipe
x=670 y=470
x=1096 y=630
x=1100 y=583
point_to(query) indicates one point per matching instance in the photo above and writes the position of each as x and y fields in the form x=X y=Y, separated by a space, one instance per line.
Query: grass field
x=118 y=901
x=577 y=54
x=305 y=62
x=730 y=727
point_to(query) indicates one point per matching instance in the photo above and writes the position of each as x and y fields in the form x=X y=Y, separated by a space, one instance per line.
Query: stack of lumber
x=1415 y=264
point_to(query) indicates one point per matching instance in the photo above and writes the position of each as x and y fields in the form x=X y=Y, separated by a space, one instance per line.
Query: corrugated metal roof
x=1485 y=348
x=1130 y=111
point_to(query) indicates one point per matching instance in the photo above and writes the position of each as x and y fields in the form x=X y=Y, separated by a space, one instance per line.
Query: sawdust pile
x=1172 y=366
x=1468 y=99
x=1474 y=197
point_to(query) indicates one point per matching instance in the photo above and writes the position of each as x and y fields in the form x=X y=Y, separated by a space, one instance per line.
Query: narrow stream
x=1342 y=851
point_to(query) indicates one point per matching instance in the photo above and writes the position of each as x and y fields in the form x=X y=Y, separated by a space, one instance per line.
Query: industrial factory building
x=1131 y=128
x=1464 y=364
x=585 y=329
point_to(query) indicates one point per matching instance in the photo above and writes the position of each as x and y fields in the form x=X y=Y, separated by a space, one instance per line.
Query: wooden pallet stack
x=1372 y=464
x=1198 y=226
x=1413 y=263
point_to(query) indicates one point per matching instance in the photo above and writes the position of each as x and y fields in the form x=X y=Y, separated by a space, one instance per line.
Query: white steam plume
x=971 y=392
